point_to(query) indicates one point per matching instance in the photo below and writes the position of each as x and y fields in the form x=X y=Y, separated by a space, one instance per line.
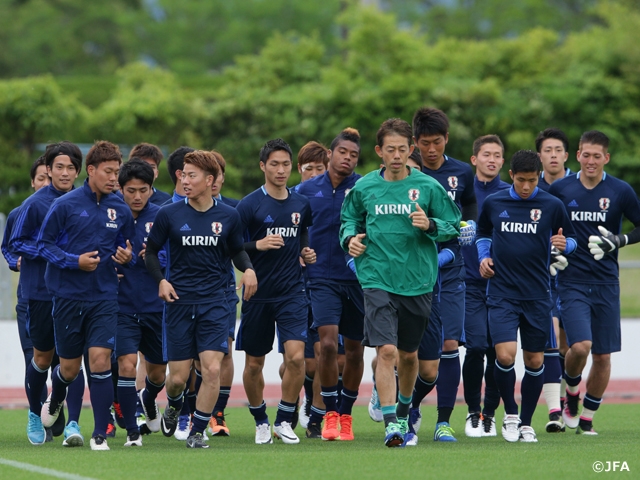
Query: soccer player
x=140 y=315
x=440 y=361
x=552 y=145
x=517 y=229
x=63 y=161
x=488 y=158
x=336 y=297
x=589 y=290
x=153 y=156
x=202 y=234
x=404 y=213
x=276 y=221
x=175 y=164
x=85 y=235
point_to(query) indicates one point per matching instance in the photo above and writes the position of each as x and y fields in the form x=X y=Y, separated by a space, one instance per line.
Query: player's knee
x=253 y=365
x=127 y=369
x=505 y=358
x=210 y=373
x=295 y=362
x=407 y=358
x=387 y=354
x=601 y=361
x=581 y=349
x=328 y=347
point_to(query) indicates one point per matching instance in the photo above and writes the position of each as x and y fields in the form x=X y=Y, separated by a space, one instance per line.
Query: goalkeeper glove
x=467 y=233
x=606 y=242
x=558 y=261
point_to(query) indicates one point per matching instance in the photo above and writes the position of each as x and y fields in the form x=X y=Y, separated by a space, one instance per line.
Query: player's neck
x=485 y=178
x=550 y=178
x=202 y=202
x=434 y=165
x=397 y=176
x=590 y=183
x=336 y=178
x=279 y=192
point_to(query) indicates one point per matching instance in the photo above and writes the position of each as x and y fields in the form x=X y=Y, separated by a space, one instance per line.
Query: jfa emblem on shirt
x=453 y=182
x=216 y=227
x=111 y=213
x=147 y=226
x=295 y=218
x=535 y=214
x=414 y=195
x=346 y=191
x=604 y=204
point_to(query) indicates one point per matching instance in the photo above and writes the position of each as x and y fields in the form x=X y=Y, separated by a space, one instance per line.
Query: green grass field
x=554 y=456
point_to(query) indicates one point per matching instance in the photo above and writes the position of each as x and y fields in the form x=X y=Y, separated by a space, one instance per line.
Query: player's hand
x=250 y=283
x=123 y=255
x=308 y=255
x=88 y=261
x=143 y=251
x=467 y=233
x=559 y=241
x=419 y=218
x=606 y=242
x=558 y=261
x=166 y=292
x=486 y=268
x=19 y=263
x=270 y=242
x=356 y=247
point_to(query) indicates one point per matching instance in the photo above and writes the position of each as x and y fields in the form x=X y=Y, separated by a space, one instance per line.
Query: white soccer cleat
x=375 y=410
x=285 y=433
x=415 y=418
x=99 y=443
x=527 y=434
x=511 y=428
x=134 y=440
x=47 y=416
x=410 y=440
x=184 y=427
x=489 y=426
x=473 y=425
x=303 y=414
x=263 y=434
x=152 y=417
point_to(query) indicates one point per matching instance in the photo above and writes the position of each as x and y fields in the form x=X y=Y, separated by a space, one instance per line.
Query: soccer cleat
x=50 y=412
x=305 y=412
x=488 y=426
x=444 y=433
x=151 y=415
x=169 y=421
x=511 y=428
x=111 y=430
x=570 y=414
x=35 y=431
x=586 y=428
x=527 y=434
x=134 y=440
x=294 y=420
x=330 y=428
x=263 y=434
x=375 y=410
x=415 y=418
x=196 y=440
x=217 y=425
x=48 y=436
x=99 y=443
x=555 y=424
x=473 y=425
x=183 y=429
x=285 y=432
x=410 y=440
x=72 y=436
x=346 y=428
x=117 y=415
x=314 y=430
x=57 y=428
x=393 y=436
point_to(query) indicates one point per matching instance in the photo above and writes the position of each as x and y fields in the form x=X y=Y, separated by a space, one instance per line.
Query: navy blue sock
x=472 y=373
x=552 y=367
x=199 y=421
x=101 y=399
x=285 y=412
x=448 y=379
x=36 y=382
x=115 y=374
x=339 y=390
x=59 y=386
x=223 y=398
x=506 y=381
x=491 y=393
x=127 y=395
x=316 y=415
x=421 y=389
x=330 y=398
x=308 y=388
x=530 y=390
x=75 y=398
x=151 y=392
x=348 y=399
x=259 y=413
x=191 y=400
x=178 y=403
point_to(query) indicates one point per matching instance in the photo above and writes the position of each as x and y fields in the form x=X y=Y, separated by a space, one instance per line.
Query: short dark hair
x=146 y=150
x=484 y=140
x=135 y=168
x=552 y=132
x=525 y=161
x=274 y=146
x=102 y=151
x=430 y=121
x=205 y=161
x=175 y=161
x=349 y=134
x=595 y=137
x=54 y=150
x=34 y=168
x=393 y=126
x=416 y=157
x=222 y=163
x=312 y=152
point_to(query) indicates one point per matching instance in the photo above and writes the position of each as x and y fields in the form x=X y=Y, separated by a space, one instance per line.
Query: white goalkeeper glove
x=606 y=242
x=467 y=233
x=558 y=261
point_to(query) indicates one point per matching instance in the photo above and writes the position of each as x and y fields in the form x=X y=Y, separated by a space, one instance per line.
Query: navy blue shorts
x=232 y=300
x=140 y=332
x=22 y=313
x=591 y=312
x=532 y=317
x=40 y=325
x=189 y=330
x=476 y=323
x=431 y=343
x=259 y=320
x=451 y=294
x=553 y=342
x=81 y=325
x=339 y=304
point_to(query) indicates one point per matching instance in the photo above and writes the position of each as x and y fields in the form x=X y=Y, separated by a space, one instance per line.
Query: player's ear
x=262 y=166
x=511 y=175
x=411 y=149
x=379 y=151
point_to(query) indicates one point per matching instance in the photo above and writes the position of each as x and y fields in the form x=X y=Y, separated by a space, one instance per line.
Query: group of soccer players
x=414 y=259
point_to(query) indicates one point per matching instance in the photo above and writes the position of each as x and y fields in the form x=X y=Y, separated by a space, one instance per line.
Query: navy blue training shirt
x=159 y=197
x=604 y=205
x=519 y=233
x=544 y=185
x=232 y=202
x=278 y=270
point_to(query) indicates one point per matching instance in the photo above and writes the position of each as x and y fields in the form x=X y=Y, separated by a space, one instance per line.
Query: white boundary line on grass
x=44 y=471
